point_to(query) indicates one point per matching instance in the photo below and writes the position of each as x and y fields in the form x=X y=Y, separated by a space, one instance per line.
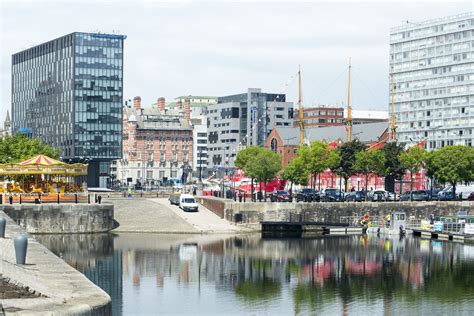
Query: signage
x=438 y=226
x=111 y=36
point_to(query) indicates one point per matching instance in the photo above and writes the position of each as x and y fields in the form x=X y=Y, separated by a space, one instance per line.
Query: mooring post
x=3 y=223
x=21 y=246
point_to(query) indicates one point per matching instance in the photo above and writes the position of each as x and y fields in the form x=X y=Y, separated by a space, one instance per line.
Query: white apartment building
x=200 y=148
x=432 y=66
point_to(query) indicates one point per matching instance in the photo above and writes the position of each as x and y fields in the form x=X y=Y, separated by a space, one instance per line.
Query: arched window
x=273 y=145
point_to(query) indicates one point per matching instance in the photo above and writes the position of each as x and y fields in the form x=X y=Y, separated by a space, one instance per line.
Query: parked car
x=307 y=195
x=174 y=198
x=377 y=195
x=433 y=194
x=471 y=197
x=280 y=196
x=331 y=195
x=355 y=196
x=446 y=195
x=418 y=195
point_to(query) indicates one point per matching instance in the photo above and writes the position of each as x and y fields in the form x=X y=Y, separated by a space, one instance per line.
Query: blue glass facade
x=69 y=93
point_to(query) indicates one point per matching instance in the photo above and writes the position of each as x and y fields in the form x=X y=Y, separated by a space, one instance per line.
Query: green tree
x=393 y=166
x=347 y=154
x=19 y=147
x=452 y=164
x=368 y=162
x=412 y=160
x=317 y=158
x=242 y=161
x=264 y=166
x=295 y=172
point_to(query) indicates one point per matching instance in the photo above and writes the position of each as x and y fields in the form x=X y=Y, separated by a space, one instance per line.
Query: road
x=158 y=216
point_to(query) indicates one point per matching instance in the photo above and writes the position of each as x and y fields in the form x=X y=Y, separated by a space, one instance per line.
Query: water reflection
x=150 y=274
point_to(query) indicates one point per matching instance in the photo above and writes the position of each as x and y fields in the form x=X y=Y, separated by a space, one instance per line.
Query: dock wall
x=67 y=218
x=252 y=213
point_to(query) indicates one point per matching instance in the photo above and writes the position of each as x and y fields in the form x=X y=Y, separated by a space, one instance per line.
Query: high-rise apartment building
x=68 y=92
x=432 y=67
x=243 y=120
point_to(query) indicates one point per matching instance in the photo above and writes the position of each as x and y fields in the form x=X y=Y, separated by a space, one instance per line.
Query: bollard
x=75 y=198
x=99 y=199
x=58 y=198
x=20 y=198
x=1 y=198
x=88 y=199
x=3 y=223
x=10 y=199
x=21 y=245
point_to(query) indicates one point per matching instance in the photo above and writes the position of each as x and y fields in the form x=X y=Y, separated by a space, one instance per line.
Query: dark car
x=280 y=196
x=471 y=197
x=307 y=195
x=331 y=195
x=418 y=195
x=355 y=196
x=433 y=193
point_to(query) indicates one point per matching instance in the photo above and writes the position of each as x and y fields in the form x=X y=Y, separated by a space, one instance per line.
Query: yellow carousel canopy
x=43 y=165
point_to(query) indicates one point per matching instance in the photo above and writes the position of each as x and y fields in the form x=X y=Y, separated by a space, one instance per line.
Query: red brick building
x=321 y=116
x=157 y=144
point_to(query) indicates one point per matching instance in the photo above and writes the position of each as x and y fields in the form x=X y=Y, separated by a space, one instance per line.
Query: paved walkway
x=156 y=215
x=203 y=221
x=146 y=216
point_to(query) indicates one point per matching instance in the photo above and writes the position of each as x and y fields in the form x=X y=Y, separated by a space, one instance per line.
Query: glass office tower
x=68 y=92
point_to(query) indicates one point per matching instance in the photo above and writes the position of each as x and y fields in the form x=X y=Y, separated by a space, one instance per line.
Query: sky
x=222 y=48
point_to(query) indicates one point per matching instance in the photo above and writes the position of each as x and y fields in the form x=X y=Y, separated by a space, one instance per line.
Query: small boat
x=394 y=224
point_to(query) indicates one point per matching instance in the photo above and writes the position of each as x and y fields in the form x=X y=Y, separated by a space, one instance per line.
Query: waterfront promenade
x=60 y=289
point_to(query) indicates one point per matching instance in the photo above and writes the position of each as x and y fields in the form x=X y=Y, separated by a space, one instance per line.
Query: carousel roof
x=42 y=164
x=41 y=160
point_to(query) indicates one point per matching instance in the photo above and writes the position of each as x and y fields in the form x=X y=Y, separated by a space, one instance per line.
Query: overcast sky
x=216 y=48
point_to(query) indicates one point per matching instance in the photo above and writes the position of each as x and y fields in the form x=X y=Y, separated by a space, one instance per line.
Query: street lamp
x=340 y=180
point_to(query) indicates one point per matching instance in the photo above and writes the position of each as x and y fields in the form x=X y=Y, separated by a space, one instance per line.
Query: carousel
x=42 y=176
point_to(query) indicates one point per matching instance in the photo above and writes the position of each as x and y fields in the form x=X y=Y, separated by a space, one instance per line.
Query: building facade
x=200 y=149
x=157 y=146
x=243 y=120
x=68 y=92
x=334 y=116
x=432 y=68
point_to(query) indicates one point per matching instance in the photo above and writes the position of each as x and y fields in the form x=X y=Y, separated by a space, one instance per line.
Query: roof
x=41 y=160
x=365 y=133
x=156 y=119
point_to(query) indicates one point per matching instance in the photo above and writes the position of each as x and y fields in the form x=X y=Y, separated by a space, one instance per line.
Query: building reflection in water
x=341 y=275
x=95 y=257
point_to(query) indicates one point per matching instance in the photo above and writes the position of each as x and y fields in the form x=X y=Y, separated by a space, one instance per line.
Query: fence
x=39 y=198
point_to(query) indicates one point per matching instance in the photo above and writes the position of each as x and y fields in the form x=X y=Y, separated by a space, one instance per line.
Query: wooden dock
x=429 y=234
x=307 y=229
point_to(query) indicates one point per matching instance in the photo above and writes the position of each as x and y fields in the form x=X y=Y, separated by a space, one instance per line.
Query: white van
x=187 y=203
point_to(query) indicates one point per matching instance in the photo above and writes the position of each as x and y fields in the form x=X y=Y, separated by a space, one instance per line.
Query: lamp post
x=340 y=180
x=358 y=182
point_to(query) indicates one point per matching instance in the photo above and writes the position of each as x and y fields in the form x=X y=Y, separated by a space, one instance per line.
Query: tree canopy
x=18 y=147
x=295 y=172
x=370 y=162
x=452 y=164
x=347 y=153
x=393 y=166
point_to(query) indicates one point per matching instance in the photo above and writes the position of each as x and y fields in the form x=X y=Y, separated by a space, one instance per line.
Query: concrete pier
x=63 y=290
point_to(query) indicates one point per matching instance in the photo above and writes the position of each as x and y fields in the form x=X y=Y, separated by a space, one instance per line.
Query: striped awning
x=41 y=160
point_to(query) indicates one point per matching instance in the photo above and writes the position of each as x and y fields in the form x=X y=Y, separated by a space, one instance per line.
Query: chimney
x=161 y=104
x=187 y=110
x=137 y=103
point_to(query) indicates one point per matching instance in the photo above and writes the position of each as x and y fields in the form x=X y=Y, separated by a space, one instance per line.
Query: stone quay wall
x=253 y=213
x=62 y=289
x=65 y=218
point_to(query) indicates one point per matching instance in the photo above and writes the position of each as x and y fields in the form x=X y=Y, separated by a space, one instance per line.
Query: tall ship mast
x=349 y=111
x=300 y=109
